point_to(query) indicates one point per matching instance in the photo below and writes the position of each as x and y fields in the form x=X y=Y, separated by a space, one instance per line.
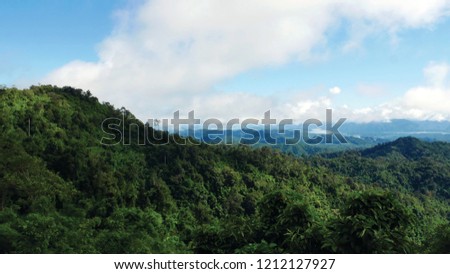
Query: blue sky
x=39 y=36
x=394 y=66
x=384 y=59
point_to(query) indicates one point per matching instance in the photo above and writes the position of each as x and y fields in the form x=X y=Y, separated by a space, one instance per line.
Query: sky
x=368 y=60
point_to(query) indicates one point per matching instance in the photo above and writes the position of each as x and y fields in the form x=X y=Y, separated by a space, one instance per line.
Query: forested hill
x=420 y=167
x=62 y=191
x=410 y=148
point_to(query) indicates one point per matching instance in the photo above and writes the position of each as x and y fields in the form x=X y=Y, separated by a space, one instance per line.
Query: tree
x=372 y=221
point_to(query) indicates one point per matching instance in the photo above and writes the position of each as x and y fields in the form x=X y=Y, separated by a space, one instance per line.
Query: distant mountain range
x=425 y=130
x=358 y=135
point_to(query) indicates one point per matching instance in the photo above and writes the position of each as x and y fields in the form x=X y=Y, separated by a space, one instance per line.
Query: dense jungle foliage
x=62 y=191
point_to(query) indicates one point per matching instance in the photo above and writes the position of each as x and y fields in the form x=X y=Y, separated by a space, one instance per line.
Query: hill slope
x=411 y=148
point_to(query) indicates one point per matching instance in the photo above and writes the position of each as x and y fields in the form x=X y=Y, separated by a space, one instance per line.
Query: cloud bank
x=166 y=55
x=435 y=96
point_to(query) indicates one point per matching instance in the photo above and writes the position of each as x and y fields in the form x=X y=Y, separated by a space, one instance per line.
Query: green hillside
x=62 y=191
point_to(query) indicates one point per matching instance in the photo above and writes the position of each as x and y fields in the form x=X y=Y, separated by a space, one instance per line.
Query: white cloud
x=427 y=102
x=166 y=55
x=434 y=97
x=335 y=90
